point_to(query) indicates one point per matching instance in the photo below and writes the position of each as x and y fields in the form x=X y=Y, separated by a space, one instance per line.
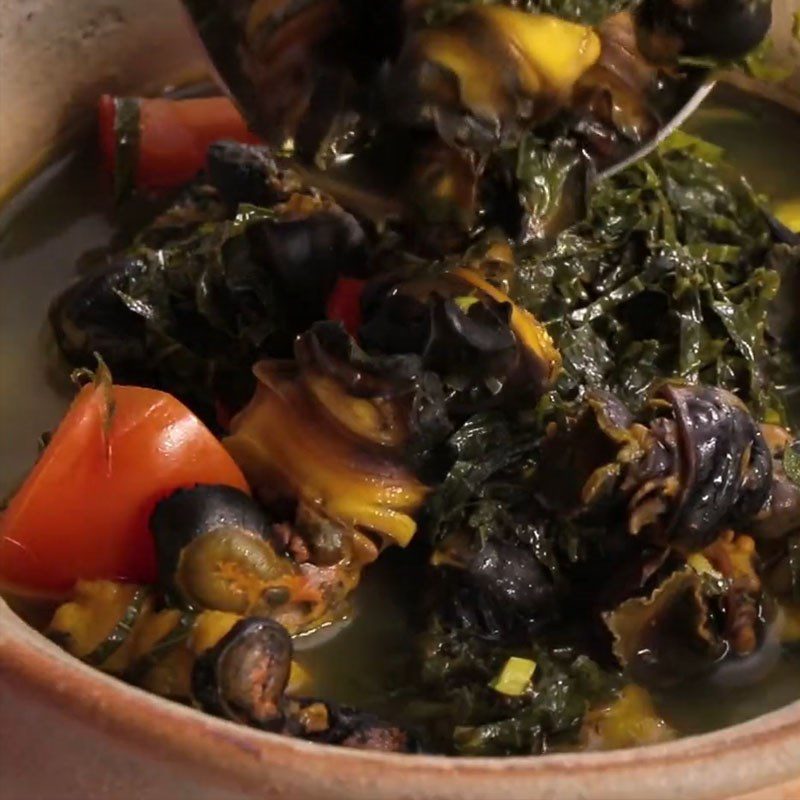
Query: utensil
x=679 y=117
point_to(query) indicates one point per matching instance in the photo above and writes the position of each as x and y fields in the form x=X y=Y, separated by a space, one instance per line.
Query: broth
x=759 y=137
x=67 y=210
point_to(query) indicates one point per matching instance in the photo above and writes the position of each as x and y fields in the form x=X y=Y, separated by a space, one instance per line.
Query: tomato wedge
x=83 y=510
x=344 y=303
x=171 y=137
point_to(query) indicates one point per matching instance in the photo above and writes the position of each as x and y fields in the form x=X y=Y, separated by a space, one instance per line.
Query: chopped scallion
x=515 y=677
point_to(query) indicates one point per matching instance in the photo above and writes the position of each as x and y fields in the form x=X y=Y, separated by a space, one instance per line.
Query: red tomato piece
x=344 y=303
x=174 y=136
x=83 y=510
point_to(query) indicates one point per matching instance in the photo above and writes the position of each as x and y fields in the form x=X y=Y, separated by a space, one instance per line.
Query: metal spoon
x=266 y=53
x=680 y=116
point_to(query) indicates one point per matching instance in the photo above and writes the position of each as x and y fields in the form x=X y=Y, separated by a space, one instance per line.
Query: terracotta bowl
x=68 y=732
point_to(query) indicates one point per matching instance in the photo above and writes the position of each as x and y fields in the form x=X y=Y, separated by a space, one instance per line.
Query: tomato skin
x=83 y=510
x=174 y=136
x=344 y=303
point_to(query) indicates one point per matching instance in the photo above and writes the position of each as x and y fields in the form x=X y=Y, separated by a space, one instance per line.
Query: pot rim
x=753 y=755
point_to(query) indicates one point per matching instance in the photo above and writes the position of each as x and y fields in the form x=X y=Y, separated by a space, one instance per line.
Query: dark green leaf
x=791 y=462
x=672 y=273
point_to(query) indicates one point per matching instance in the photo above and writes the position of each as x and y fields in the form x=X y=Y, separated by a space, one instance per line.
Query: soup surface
x=363 y=660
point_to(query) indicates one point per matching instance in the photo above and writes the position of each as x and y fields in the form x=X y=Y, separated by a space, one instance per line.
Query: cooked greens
x=468 y=716
x=671 y=274
x=204 y=293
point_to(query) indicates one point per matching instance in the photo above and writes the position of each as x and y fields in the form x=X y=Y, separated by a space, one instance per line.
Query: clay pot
x=68 y=732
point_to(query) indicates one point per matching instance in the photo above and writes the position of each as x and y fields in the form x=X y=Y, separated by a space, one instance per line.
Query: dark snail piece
x=244 y=676
x=721 y=29
x=393 y=321
x=244 y=173
x=666 y=638
x=441 y=196
x=306 y=251
x=474 y=343
x=485 y=350
x=498 y=589
x=328 y=723
x=726 y=469
x=228 y=569
x=582 y=469
x=327 y=349
x=198 y=530
x=512 y=575
x=187 y=513
x=325 y=431
x=709 y=617
x=537 y=362
x=89 y=317
x=296 y=65
x=695 y=462
x=270 y=57
x=387 y=399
